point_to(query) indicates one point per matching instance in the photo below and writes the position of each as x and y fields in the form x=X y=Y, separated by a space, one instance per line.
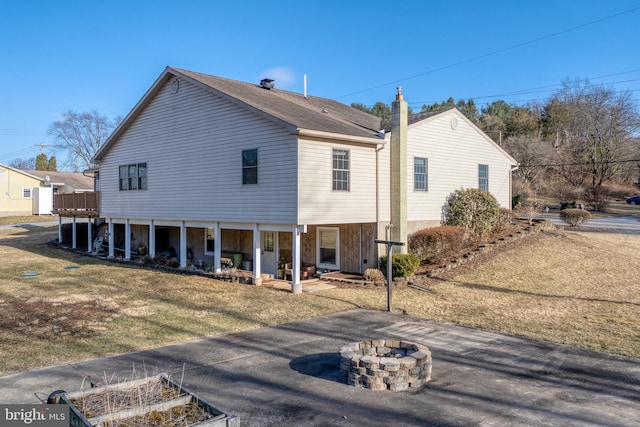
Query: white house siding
x=318 y=203
x=453 y=159
x=192 y=143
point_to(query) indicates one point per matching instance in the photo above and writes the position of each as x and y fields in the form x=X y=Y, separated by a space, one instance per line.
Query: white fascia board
x=339 y=137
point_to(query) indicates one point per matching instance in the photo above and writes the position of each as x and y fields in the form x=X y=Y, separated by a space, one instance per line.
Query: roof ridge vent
x=267 y=83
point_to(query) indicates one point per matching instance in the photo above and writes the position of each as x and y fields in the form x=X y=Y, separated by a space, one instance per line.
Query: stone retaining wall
x=385 y=364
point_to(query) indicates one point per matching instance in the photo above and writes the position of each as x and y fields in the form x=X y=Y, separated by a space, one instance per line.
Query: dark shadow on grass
x=490 y=288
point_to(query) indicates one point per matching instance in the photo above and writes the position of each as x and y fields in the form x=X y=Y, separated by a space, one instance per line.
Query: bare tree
x=533 y=155
x=23 y=164
x=81 y=135
x=593 y=128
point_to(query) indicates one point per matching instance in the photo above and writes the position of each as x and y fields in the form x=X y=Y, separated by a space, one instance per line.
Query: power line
x=21 y=152
x=22 y=131
x=533 y=91
x=486 y=55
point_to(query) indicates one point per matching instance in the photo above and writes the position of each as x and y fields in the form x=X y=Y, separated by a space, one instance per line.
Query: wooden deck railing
x=78 y=204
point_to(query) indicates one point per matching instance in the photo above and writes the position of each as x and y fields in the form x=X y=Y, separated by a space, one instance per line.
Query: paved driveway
x=288 y=376
x=626 y=224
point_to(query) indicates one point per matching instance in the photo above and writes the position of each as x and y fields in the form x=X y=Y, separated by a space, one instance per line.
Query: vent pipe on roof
x=267 y=83
x=305 y=85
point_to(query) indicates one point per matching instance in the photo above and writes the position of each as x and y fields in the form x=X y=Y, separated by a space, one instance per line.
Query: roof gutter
x=339 y=137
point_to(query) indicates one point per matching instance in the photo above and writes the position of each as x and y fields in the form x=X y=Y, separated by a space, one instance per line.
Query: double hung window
x=249 y=167
x=340 y=170
x=483 y=177
x=420 y=173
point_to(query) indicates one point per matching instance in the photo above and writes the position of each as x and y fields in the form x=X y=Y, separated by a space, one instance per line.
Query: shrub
x=574 y=217
x=374 y=275
x=438 y=243
x=530 y=209
x=160 y=259
x=473 y=209
x=402 y=265
x=505 y=218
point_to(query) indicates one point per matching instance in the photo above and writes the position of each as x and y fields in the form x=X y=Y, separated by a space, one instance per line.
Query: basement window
x=328 y=248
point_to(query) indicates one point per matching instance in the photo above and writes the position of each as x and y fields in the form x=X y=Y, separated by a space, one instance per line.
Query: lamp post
x=390 y=244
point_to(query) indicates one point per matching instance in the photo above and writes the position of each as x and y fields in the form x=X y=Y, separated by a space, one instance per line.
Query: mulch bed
x=350 y=280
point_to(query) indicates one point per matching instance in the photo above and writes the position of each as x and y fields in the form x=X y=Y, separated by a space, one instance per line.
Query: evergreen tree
x=382 y=110
x=46 y=164
x=42 y=163
x=53 y=164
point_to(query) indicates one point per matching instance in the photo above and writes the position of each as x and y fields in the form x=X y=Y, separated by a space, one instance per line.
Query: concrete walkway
x=289 y=376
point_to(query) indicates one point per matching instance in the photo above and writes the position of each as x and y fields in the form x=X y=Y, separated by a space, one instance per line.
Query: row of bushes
x=472 y=214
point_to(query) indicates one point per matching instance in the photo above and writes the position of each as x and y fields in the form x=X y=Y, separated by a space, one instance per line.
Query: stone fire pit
x=385 y=364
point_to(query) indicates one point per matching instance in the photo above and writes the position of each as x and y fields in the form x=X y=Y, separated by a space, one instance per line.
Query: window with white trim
x=483 y=177
x=420 y=173
x=209 y=241
x=328 y=248
x=249 y=167
x=26 y=192
x=340 y=170
x=133 y=176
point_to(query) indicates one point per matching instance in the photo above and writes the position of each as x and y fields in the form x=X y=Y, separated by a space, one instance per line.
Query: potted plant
x=282 y=265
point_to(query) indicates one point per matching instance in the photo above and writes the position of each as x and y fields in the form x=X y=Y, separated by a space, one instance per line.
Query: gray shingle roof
x=414 y=118
x=73 y=179
x=293 y=109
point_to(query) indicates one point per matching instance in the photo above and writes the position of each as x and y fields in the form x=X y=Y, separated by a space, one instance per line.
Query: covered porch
x=266 y=251
x=258 y=248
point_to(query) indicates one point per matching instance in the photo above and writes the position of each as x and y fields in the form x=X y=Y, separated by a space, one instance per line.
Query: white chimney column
x=399 y=123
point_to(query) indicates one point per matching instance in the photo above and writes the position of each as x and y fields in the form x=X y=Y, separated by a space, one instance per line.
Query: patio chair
x=99 y=248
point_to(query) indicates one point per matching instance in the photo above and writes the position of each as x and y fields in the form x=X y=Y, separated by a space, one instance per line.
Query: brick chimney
x=399 y=123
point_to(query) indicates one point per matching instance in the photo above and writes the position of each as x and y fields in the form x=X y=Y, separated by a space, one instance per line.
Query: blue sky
x=83 y=55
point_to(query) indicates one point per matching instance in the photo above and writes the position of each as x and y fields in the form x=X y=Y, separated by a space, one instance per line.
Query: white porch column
x=59 y=229
x=257 y=254
x=89 y=235
x=217 y=248
x=296 y=286
x=111 y=239
x=73 y=233
x=127 y=240
x=183 y=245
x=152 y=239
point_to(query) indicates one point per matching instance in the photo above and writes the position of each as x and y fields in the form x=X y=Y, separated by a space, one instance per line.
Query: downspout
x=513 y=169
x=360 y=251
x=379 y=148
